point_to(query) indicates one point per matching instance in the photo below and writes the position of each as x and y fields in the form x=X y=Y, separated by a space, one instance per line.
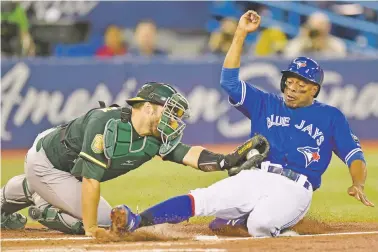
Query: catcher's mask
x=175 y=109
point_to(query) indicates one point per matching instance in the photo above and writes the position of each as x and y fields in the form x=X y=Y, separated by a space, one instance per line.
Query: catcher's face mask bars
x=171 y=124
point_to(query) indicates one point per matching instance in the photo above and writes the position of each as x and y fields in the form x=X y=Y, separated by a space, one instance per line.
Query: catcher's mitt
x=254 y=157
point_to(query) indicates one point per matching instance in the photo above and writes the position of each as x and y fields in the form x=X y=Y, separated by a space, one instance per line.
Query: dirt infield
x=315 y=236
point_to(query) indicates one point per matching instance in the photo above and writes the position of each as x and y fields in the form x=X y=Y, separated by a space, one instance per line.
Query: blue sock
x=173 y=210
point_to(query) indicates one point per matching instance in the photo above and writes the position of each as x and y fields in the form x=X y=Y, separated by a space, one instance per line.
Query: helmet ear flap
x=283 y=83
x=317 y=92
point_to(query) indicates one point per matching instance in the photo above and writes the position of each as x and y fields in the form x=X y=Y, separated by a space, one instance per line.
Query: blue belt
x=288 y=173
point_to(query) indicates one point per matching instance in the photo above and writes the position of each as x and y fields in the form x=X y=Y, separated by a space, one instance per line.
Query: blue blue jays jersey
x=301 y=139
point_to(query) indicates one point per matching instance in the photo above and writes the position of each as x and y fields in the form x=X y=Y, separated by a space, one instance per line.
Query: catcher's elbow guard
x=209 y=161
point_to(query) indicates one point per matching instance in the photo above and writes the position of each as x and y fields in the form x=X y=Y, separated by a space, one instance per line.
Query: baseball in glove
x=254 y=157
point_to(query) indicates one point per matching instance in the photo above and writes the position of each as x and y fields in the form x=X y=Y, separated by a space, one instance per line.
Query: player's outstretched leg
x=173 y=210
x=15 y=195
x=218 y=199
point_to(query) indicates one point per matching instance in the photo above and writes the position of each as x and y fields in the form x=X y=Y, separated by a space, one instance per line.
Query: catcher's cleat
x=13 y=221
x=219 y=224
x=124 y=220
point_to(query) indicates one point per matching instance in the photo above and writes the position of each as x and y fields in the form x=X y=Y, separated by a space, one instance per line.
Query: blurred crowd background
x=60 y=57
x=186 y=29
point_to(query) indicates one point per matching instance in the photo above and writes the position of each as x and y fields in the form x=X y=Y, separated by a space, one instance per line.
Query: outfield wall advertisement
x=41 y=93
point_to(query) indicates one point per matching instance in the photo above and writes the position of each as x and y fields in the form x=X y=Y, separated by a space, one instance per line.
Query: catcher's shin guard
x=54 y=219
x=9 y=205
x=18 y=198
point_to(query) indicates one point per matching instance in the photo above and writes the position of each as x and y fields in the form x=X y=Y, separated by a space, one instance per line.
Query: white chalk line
x=118 y=245
x=124 y=250
x=196 y=238
x=64 y=238
x=216 y=238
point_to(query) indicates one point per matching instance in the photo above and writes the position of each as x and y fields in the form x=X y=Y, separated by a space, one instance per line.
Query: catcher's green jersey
x=82 y=151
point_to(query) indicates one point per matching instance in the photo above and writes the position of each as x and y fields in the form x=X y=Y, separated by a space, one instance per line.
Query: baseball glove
x=254 y=157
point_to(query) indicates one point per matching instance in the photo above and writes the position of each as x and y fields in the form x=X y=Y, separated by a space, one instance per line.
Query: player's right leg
x=15 y=195
x=284 y=204
x=229 y=198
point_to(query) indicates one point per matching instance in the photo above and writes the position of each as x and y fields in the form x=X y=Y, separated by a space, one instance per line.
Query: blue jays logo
x=311 y=154
x=300 y=64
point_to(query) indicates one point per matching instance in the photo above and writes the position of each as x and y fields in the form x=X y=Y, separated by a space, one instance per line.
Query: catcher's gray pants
x=48 y=185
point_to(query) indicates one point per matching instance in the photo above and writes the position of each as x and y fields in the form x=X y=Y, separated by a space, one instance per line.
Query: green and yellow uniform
x=100 y=145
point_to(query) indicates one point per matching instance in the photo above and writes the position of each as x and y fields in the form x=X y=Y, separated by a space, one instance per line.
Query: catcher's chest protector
x=124 y=149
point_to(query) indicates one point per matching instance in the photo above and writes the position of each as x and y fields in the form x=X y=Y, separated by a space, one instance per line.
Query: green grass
x=158 y=180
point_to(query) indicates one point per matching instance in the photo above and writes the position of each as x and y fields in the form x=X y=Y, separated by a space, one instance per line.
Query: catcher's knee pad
x=53 y=218
x=10 y=206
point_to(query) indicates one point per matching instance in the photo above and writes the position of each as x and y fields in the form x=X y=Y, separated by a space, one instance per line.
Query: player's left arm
x=347 y=147
x=196 y=157
x=200 y=158
x=358 y=172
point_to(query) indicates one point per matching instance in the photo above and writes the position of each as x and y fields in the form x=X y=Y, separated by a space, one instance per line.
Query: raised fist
x=249 y=22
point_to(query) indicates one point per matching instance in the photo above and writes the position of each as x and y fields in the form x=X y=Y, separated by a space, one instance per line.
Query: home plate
x=216 y=238
x=289 y=233
x=206 y=238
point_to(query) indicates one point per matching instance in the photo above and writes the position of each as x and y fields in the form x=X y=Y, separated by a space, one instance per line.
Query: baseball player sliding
x=66 y=164
x=274 y=194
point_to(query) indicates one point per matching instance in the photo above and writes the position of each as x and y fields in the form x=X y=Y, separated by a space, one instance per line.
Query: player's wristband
x=209 y=161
